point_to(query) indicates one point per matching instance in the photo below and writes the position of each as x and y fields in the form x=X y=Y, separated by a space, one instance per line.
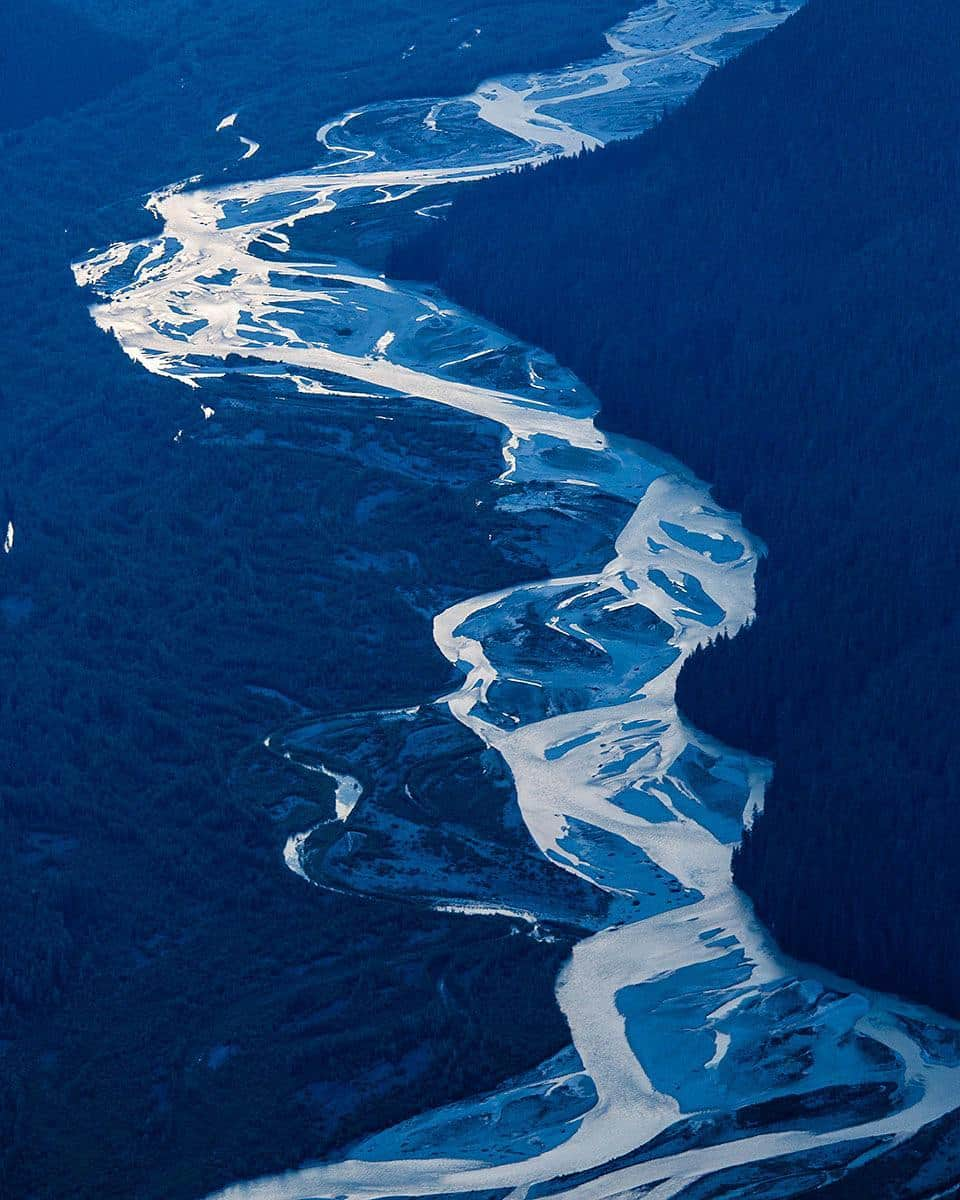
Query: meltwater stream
x=702 y=1061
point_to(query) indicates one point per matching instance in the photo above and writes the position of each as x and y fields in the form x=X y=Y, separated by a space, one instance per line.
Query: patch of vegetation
x=176 y=1008
x=52 y=59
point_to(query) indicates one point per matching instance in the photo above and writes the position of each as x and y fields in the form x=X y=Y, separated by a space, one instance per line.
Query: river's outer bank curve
x=682 y=1014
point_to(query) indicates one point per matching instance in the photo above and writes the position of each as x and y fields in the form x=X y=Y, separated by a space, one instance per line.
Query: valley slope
x=765 y=285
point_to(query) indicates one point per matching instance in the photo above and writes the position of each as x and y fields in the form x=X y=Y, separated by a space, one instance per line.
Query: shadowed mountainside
x=765 y=285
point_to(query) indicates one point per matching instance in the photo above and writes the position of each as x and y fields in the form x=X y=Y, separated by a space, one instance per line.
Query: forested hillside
x=766 y=285
x=79 y=61
x=176 y=1008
